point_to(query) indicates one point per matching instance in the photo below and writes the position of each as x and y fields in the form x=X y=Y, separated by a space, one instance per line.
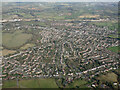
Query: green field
x=9 y=84
x=32 y=83
x=110 y=25
x=27 y=46
x=80 y=83
x=114 y=49
x=110 y=77
x=7 y=52
x=114 y=36
x=16 y=39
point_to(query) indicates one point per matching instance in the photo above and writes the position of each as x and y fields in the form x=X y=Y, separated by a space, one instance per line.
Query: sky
x=60 y=0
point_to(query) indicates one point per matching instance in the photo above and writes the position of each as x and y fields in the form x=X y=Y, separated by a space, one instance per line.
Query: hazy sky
x=60 y=0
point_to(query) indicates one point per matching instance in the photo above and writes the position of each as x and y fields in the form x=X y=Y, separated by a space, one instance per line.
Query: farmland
x=110 y=25
x=89 y=16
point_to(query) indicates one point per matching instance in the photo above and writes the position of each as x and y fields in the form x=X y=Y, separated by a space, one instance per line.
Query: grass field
x=1 y=47
x=9 y=84
x=32 y=83
x=7 y=52
x=26 y=46
x=110 y=77
x=16 y=39
x=114 y=36
x=89 y=16
x=80 y=83
x=110 y=25
x=114 y=49
x=118 y=71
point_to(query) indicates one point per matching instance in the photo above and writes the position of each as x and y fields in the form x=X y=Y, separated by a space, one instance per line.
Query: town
x=62 y=49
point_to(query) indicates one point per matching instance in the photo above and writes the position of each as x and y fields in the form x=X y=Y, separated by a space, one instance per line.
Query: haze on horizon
x=60 y=0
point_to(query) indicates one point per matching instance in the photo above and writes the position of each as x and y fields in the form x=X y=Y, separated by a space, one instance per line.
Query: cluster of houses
x=66 y=51
x=78 y=51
